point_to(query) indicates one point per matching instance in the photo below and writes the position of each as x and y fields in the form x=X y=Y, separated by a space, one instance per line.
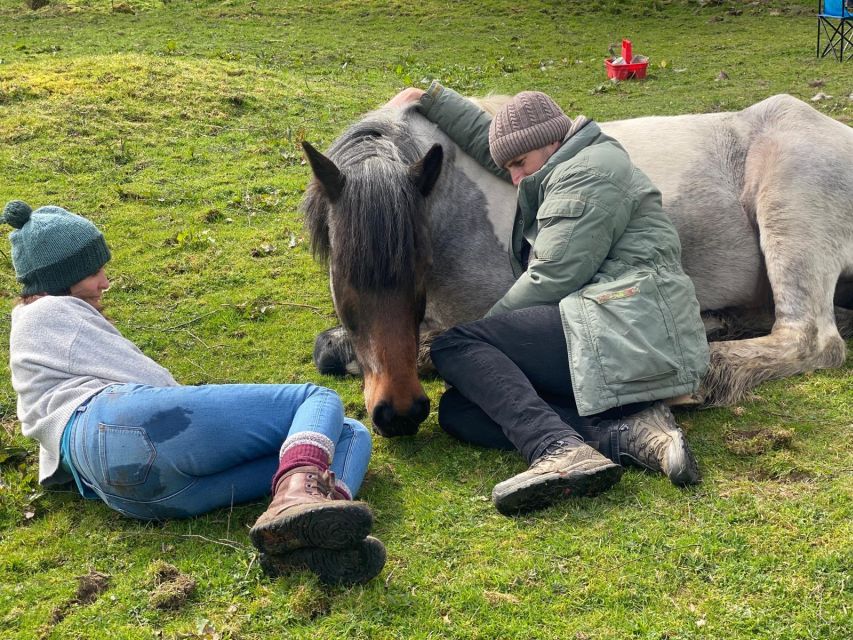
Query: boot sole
x=546 y=489
x=355 y=565
x=335 y=525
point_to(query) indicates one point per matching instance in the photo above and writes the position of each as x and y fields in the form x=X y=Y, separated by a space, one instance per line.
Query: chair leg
x=838 y=36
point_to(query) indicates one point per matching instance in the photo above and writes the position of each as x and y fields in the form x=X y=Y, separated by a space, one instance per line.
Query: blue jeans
x=172 y=452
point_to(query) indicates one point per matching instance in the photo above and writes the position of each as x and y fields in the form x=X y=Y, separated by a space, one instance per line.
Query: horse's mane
x=378 y=219
x=492 y=102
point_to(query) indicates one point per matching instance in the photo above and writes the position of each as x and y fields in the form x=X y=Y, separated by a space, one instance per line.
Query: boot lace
x=647 y=445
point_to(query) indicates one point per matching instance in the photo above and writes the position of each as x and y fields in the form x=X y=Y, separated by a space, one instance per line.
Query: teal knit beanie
x=52 y=248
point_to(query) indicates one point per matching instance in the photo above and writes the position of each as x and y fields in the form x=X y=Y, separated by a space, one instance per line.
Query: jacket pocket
x=556 y=220
x=630 y=331
x=126 y=454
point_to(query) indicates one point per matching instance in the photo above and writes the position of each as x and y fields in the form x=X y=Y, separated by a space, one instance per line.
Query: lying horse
x=416 y=236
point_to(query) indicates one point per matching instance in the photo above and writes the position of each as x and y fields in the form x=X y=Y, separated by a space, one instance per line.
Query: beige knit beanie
x=529 y=121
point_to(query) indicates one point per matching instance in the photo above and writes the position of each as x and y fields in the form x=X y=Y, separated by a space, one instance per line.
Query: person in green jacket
x=570 y=366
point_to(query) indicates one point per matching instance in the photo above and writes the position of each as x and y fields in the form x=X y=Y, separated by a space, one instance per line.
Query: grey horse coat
x=763 y=203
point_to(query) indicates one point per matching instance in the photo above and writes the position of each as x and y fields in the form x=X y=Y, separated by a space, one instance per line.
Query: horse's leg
x=803 y=261
x=844 y=322
x=333 y=353
x=737 y=324
x=425 y=365
x=844 y=308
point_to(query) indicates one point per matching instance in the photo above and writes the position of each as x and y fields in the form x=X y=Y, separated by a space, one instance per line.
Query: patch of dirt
x=754 y=442
x=309 y=603
x=171 y=588
x=497 y=597
x=89 y=587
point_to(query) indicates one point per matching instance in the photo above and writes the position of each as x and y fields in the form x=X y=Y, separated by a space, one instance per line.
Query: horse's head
x=366 y=212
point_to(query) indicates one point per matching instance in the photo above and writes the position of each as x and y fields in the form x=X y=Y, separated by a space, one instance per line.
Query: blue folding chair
x=835 y=22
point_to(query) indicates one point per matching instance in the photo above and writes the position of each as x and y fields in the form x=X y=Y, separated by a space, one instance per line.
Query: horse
x=416 y=234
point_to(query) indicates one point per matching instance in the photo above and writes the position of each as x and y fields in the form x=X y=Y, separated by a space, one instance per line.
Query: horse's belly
x=720 y=250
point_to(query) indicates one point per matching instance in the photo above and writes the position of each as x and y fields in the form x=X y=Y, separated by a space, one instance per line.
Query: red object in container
x=629 y=68
x=626 y=52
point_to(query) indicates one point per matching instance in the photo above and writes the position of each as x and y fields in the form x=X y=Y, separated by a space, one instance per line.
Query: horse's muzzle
x=387 y=422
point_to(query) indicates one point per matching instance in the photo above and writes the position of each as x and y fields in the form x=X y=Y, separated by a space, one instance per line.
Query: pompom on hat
x=52 y=248
x=529 y=121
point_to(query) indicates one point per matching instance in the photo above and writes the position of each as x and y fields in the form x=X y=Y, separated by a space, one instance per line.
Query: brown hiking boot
x=565 y=469
x=303 y=513
x=353 y=565
x=652 y=440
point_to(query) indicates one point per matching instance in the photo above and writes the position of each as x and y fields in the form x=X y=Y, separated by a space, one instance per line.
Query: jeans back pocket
x=126 y=454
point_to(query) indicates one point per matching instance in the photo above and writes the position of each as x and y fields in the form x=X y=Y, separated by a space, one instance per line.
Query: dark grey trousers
x=512 y=386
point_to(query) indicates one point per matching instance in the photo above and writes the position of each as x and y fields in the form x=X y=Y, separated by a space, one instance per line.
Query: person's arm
x=464 y=122
x=580 y=219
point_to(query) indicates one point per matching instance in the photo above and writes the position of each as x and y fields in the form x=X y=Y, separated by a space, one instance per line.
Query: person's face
x=529 y=163
x=91 y=288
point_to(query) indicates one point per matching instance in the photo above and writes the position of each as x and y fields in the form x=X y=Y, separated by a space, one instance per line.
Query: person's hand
x=405 y=97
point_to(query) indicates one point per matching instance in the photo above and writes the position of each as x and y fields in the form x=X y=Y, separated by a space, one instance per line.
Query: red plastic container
x=630 y=69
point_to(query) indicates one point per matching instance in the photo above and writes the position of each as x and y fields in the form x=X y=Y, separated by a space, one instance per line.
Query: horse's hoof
x=333 y=353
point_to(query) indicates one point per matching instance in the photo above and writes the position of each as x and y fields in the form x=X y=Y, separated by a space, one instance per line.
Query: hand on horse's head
x=405 y=97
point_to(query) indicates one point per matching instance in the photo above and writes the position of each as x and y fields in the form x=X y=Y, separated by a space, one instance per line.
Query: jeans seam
x=195 y=480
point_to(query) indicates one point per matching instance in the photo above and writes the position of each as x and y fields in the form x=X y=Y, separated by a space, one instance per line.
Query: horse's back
x=713 y=171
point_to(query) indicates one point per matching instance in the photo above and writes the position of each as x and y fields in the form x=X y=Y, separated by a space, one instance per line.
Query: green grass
x=177 y=129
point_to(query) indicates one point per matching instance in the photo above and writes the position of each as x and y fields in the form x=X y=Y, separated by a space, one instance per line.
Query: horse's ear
x=327 y=174
x=425 y=171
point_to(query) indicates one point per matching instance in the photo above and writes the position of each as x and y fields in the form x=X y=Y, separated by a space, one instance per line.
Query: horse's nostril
x=389 y=423
x=419 y=410
x=383 y=416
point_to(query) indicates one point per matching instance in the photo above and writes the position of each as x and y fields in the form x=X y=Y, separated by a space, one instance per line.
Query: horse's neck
x=471 y=228
x=500 y=196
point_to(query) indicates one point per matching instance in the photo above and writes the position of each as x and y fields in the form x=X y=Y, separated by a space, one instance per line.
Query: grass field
x=176 y=125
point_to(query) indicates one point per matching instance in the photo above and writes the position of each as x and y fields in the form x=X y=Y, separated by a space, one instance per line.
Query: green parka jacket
x=602 y=247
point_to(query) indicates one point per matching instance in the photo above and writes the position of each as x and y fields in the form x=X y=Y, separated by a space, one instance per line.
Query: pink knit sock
x=300 y=455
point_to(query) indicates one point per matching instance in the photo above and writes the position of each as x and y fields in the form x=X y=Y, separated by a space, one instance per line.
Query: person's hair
x=22 y=299
x=27 y=299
